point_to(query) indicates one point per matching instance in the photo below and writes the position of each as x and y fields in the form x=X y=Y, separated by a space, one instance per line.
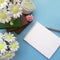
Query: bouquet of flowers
x=11 y=11
x=8 y=46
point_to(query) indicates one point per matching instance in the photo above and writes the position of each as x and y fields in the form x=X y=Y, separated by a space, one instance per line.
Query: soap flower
x=29 y=18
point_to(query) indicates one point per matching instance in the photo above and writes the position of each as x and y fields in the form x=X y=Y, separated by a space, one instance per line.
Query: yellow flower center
x=9 y=37
x=8 y=55
x=15 y=9
x=3 y=16
x=14 y=45
x=1 y=1
x=1 y=46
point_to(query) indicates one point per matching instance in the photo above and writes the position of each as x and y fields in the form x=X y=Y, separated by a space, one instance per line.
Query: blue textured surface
x=47 y=12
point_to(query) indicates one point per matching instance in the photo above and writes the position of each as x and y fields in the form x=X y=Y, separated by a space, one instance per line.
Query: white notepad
x=43 y=40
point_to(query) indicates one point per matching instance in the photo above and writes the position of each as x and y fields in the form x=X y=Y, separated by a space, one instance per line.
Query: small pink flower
x=29 y=18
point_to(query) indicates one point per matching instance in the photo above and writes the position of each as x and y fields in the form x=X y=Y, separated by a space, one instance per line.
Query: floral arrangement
x=8 y=46
x=9 y=9
x=13 y=9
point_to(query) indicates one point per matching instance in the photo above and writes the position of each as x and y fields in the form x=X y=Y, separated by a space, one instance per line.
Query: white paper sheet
x=43 y=40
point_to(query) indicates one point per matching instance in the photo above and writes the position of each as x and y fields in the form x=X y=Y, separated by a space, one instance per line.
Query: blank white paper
x=43 y=40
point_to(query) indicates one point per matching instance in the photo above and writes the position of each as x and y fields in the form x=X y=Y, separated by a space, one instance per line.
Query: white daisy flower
x=14 y=46
x=9 y=55
x=5 y=16
x=9 y=37
x=3 y=3
x=1 y=35
x=17 y=1
x=15 y=10
x=3 y=47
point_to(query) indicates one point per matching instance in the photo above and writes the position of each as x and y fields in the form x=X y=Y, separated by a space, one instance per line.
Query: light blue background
x=47 y=12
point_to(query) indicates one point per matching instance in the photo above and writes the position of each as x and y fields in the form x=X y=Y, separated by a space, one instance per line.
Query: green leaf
x=16 y=24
